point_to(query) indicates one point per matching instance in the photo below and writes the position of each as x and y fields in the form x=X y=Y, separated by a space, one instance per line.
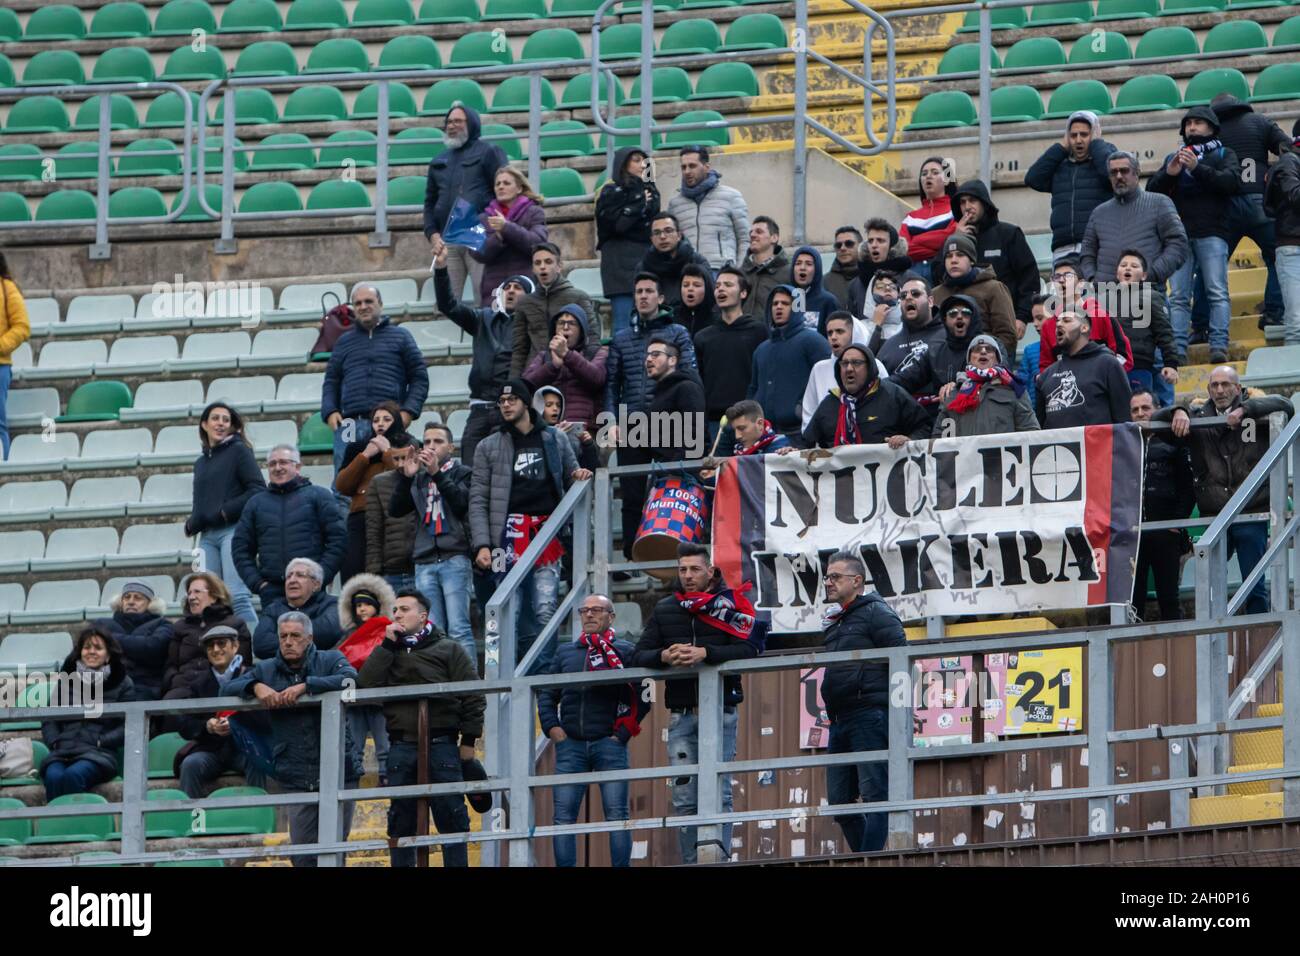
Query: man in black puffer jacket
x=305 y=592
x=999 y=244
x=144 y=634
x=856 y=695
x=1074 y=172
x=1168 y=494
x=291 y=519
x=669 y=254
x=884 y=413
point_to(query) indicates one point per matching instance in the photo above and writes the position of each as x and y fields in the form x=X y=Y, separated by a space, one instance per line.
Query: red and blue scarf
x=968 y=392
x=433 y=513
x=602 y=656
x=769 y=435
x=726 y=609
x=846 y=425
x=519 y=533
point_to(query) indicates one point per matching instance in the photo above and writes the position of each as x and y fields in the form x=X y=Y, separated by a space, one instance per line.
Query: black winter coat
x=910 y=346
x=96 y=739
x=1251 y=136
x=1077 y=188
x=668 y=267
x=681 y=395
x=366 y=368
x=465 y=173
x=412 y=494
x=144 y=639
x=587 y=713
x=1282 y=199
x=944 y=358
x=725 y=355
x=225 y=477
x=197 y=682
x=1003 y=247
x=1202 y=197
x=493 y=335
x=1168 y=488
x=186 y=645
x=293 y=520
x=1152 y=332
x=321 y=607
x=882 y=411
x=435 y=660
x=866 y=624
x=623 y=215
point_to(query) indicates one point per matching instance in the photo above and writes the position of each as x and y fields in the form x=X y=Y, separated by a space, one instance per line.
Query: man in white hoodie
x=842 y=330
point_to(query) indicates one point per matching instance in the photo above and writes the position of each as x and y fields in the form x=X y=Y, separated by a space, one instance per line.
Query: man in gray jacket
x=521 y=471
x=1134 y=219
x=714 y=218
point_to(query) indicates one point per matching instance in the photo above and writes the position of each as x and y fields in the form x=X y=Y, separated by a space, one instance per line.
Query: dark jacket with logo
x=466 y=173
x=1077 y=188
x=1089 y=388
x=367 y=368
x=1004 y=247
x=588 y=713
x=623 y=215
x=492 y=332
x=910 y=345
x=725 y=353
x=411 y=496
x=295 y=519
x=434 y=660
x=945 y=356
x=866 y=624
x=883 y=409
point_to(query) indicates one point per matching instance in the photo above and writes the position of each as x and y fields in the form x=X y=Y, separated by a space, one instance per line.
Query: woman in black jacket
x=83 y=753
x=624 y=208
x=207 y=605
x=225 y=477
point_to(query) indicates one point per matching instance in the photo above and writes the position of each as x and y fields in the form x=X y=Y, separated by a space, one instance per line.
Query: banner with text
x=996 y=524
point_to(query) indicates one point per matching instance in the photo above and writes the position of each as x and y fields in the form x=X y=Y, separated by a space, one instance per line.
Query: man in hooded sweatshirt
x=533 y=312
x=466 y=169
x=783 y=364
x=725 y=349
x=945 y=358
x=842 y=329
x=677 y=408
x=1074 y=172
x=922 y=326
x=987 y=398
x=812 y=303
x=1086 y=385
x=575 y=363
x=697 y=310
x=1202 y=178
x=884 y=316
x=713 y=218
x=864 y=409
x=1000 y=245
x=964 y=275
x=669 y=254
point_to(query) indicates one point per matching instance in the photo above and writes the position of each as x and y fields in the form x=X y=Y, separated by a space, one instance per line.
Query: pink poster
x=814 y=728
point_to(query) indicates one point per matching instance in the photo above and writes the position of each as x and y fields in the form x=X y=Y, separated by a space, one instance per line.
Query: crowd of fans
x=912 y=333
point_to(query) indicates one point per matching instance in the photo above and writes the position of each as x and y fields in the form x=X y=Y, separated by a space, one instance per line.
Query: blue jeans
x=539 y=596
x=620 y=307
x=75 y=777
x=217 y=559
x=1209 y=257
x=684 y=748
x=201 y=767
x=449 y=813
x=446 y=584
x=586 y=756
x=399 y=581
x=1288 y=277
x=6 y=376
x=1250 y=541
x=367 y=720
x=865 y=729
x=360 y=431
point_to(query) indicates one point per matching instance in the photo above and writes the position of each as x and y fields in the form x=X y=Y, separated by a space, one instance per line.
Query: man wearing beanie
x=864 y=409
x=144 y=634
x=521 y=472
x=1074 y=172
x=1202 y=177
x=1282 y=202
x=965 y=275
x=998 y=244
x=987 y=398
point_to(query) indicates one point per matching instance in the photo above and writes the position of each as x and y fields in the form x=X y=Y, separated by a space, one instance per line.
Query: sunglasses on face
x=914 y=294
x=960 y=313
x=846 y=244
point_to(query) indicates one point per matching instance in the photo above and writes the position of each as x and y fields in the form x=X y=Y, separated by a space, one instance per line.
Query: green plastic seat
x=1126 y=10
x=1166 y=41
x=165 y=824
x=79 y=161
x=242 y=820
x=1281 y=81
x=13 y=208
x=1205 y=86
x=356 y=145
x=251 y=16
x=509 y=144
x=271 y=196
x=1000 y=18
x=183 y=17
x=79 y=829
x=132 y=164
x=707 y=4
x=253 y=105
x=556 y=43
x=1016 y=104
x=965 y=58
x=1141 y=94
x=725 y=79
x=162 y=753
x=1254 y=4
x=659 y=6
x=212 y=156
x=315 y=104
x=54 y=68
x=194 y=212
x=33 y=695
x=136 y=201
x=574 y=8
x=188 y=64
x=19 y=162
x=577 y=93
x=694 y=36
x=671 y=85
x=562 y=183
x=123 y=64
x=316 y=15
x=98 y=401
x=1234 y=35
x=401 y=101
x=338 y=194
x=481 y=49
x=575 y=143
x=943 y=109
x=629 y=122
x=37 y=114
x=445 y=94
x=383 y=13
x=1039 y=52
x=337 y=55
x=621 y=42
x=1060 y=14
x=401 y=149
x=6 y=71
x=315 y=436
x=167 y=111
x=512 y=95
x=1174 y=8
x=120 y=21
x=514 y=10
x=121 y=113
x=1078 y=95
x=1288 y=34
x=14 y=832
x=406 y=191
x=448 y=11
x=56 y=21
x=719 y=136
x=755 y=31
x=1107 y=47
x=412 y=51
x=282 y=159
x=11 y=29
x=266 y=58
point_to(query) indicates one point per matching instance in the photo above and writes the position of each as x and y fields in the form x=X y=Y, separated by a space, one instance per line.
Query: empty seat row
x=78 y=549
x=1083 y=11
x=51 y=602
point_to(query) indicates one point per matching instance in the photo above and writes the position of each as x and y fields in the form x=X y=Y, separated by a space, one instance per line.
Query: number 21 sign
x=1041 y=693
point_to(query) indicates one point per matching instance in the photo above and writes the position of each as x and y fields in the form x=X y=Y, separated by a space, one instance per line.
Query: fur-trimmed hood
x=157 y=606
x=365 y=582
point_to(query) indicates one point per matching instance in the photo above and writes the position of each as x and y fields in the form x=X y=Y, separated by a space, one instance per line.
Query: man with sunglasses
x=839 y=278
x=865 y=409
x=856 y=695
